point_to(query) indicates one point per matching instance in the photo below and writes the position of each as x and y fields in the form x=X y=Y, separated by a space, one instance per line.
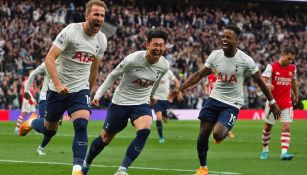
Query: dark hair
x=155 y=33
x=234 y=28
x=288 y=50
x=90 y=3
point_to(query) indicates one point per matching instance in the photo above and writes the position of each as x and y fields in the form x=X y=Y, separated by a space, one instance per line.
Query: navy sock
x=159 y=128
x=38 y=125
x=45 y=141
x=202 y=149
x=96 y=147
x=136 y=147
x=80 y=141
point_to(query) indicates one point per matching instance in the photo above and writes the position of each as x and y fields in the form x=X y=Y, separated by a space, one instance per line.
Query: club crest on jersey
x=277 y=73
x=83 y=57
x=143 y=82
x=290 y=73
x=226 y=78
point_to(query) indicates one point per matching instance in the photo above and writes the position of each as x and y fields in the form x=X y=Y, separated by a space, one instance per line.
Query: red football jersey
x=281 y=79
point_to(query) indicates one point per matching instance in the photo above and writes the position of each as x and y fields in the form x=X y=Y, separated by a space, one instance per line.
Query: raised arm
x=118 y=71
x=195 y=78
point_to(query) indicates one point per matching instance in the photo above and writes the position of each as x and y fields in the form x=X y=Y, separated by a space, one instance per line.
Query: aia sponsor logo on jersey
x=143 y=82
x=226 y=78
x=83 y=57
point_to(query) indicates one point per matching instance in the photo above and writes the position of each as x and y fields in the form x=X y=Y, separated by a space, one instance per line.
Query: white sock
x=122 y=168
x=76 y=168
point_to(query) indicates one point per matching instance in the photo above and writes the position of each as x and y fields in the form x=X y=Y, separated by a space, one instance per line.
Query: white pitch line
x=111 y=166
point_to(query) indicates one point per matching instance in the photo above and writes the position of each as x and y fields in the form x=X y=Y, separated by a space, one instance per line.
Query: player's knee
x=49 y=133
x=143 y=133
x=80 y=125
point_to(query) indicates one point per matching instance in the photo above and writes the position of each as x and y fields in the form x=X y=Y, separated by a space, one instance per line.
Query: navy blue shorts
x=216 y=111
x=118 y=115
x=163 y=106
x=42 y=108
x=57 y=104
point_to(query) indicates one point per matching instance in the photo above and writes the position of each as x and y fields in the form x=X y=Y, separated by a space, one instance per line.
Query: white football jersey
x=164 y=86
x=140 y=79
x=78 y=52
x=41 y=69
x=230 y=73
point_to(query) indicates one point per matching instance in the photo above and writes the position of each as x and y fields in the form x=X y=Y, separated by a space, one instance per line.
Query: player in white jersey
x=163 y=104
x=141 y=74
x=220 y=112
x=72 y=63
x=41 y=69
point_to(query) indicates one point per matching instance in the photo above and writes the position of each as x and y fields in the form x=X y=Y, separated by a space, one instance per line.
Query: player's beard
x=95 y=26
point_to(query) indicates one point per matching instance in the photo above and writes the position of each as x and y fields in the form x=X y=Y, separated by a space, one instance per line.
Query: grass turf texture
x=177 y=156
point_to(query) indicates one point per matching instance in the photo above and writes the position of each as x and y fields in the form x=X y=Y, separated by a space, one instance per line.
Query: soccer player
x=280 y=77
x=72 y=63
x=163 y=103
x=28 y=105
x=141 y=73
x=41 y=69
x=209 y=84
x=221 y=110
x=42 y=99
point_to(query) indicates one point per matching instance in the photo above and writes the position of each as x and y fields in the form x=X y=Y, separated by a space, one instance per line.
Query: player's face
x=287 y=58
x=155 y=49
x=229 y=40
x=95 y=18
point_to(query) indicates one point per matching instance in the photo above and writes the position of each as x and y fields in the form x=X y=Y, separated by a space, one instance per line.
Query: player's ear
x=147 y=44
x=86 y=15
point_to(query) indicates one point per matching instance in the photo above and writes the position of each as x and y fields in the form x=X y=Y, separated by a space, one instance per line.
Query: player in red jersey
x=280 y=77
x=209 y=84
x=28 y=106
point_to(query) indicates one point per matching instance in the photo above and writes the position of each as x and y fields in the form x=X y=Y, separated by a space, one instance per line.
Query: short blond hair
x=90 y=3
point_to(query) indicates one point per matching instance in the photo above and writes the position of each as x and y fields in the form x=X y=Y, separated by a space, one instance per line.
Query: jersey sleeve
x=103 y=47
x=171 y=75
x=118 y=71
x=63 y=38
x=268 y=71
x=209 y=62
x=251 y=66
x=40 y=69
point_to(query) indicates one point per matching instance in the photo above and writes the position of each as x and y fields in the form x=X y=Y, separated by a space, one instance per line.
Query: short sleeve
x=171 y=75
x=62 y=39
x=210 y=59
x=104 y=43
x=268 y=71
x=251 y=66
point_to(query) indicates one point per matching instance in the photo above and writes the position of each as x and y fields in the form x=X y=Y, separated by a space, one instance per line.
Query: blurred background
x=28 y=28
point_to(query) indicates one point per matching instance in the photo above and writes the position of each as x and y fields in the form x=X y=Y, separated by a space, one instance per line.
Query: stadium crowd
x=28 y=29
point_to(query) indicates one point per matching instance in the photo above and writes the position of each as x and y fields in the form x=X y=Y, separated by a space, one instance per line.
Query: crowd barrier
x=181 y=114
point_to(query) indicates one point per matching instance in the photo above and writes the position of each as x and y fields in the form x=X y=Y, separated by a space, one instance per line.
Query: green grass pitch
x=177 y=156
